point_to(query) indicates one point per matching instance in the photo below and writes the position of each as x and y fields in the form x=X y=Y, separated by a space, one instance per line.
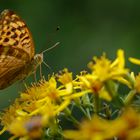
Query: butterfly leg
x=40 y=70
x=23 y=86
x=35 y=79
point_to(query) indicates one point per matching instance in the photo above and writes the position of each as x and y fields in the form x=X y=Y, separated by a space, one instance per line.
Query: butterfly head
x=38 y=59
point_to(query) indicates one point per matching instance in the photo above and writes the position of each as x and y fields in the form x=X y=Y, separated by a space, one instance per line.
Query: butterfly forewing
x=14 y=33
x=16 y=48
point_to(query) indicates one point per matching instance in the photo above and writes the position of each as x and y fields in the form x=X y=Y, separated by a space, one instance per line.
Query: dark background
x=87 y=28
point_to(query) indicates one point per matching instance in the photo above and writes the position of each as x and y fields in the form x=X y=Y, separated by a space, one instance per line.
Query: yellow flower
x=89 y=130
x=88 y=82
x=9 y=114
x=96 y=129
x=103 y=93
x=65 y=77
x=17 y=127
x=28 y=128
x=125 y=127
x=103 y=69
x=42 y=99
x=41 y=104
x=137 y=83
x=134 y=60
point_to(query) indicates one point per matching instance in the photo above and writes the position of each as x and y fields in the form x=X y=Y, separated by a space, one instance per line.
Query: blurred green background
x=87 y=28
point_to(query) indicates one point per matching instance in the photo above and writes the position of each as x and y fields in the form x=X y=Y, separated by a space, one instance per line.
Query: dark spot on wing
x=13 y=29
x=8 y=33
x=16 y=43
x=14 y=36
x=6 y=39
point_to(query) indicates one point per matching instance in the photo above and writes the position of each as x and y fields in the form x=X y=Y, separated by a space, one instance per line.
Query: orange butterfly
x=17 y=55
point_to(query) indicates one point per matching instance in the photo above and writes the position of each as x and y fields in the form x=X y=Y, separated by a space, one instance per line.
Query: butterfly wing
x=10 y=75
x=16 y=47
x=15 y=34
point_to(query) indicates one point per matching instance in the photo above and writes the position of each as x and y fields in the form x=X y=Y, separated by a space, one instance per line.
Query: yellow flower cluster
x=39 y=107
x=125 y=127
x=34 y=109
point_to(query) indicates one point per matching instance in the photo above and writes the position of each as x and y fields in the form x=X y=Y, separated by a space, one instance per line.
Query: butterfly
x=17 y=52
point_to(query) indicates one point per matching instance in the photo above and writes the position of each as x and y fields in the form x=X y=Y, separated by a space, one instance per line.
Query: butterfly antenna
x=55 y=45
x=46 y=65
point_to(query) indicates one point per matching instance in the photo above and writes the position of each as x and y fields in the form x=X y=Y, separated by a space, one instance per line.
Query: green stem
x=87 y=105
x=88 y=113
x=110 y=86
x=96 y=103
x=83 y=111
x=112 y=90
x=107 y=112
x=74 y=120
x=129 y=97
x=71 y=118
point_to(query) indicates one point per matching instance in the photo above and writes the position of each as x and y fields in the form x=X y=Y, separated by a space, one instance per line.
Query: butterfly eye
x=38 y=59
